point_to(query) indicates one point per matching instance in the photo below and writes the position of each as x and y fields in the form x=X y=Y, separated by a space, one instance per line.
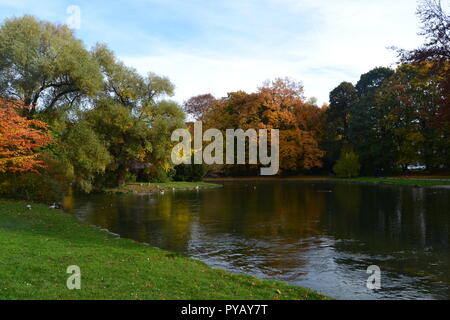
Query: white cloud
x=194 y=74
x=232 y=44
x=333 y=41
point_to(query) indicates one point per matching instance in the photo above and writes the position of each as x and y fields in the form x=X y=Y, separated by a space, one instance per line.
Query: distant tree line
x=81 y=118
x=388 y=120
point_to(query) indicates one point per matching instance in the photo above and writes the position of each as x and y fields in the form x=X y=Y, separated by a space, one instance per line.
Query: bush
x=348 y=165
x=30 y=186
x=189 y=172
x=48 y=185
x=156 y=174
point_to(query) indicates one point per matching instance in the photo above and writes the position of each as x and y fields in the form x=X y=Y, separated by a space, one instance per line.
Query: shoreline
x=271 y=178
x=39 y=244
x=152 y=188
x=442 y=182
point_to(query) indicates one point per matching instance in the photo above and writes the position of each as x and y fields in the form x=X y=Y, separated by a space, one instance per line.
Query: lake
x=318 y=234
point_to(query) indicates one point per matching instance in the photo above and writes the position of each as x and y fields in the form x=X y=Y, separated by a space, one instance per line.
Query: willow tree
x=133 y=117
x=44 y=65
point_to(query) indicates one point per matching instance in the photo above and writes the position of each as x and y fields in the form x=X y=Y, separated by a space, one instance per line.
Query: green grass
x=38 y=245
x=404 y=181
x=138 y=187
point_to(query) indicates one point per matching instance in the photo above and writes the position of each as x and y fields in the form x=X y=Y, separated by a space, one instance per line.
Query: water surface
x=322 y=235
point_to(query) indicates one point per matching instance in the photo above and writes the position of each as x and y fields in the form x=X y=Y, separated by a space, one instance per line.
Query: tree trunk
x=121 y=177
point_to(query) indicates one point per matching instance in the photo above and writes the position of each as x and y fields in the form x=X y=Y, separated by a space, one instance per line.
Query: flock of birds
x=54 y=206
x=162 y=191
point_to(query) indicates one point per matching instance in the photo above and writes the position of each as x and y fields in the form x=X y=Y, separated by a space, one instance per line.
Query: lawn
x=145 y=187
x=38 y=245
x=405 y=181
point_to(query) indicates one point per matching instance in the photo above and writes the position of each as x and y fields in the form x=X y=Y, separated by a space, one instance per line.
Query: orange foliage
x=20 y=139
x=277 y=105
x=299 y=150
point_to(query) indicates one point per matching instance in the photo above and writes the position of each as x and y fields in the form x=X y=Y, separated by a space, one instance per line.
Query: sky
x=216 y=46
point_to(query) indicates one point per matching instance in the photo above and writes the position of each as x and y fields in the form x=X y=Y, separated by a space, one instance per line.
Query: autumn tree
x=21 y=140
x=199 y=105
x=278 y=104
x=284 y=108
x=299 y=151
x=435 y=22
x=410 y=100
x=280 y=99
x=236 y=110
x=389 y=120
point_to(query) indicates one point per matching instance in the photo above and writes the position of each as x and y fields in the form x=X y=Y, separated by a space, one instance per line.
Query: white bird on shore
x=53 y=206
x=161 y=191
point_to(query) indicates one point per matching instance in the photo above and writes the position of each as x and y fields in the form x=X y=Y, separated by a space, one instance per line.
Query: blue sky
x=221 y=46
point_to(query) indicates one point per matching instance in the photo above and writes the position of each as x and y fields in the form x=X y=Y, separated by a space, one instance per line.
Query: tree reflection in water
x=320 y=234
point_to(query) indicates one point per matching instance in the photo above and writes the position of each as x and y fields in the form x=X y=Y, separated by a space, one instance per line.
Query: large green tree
x=44 y=65
x=103 y=115
x=337 y=117
x=368 y=135
x=132 y=116
x=411 y=100
x=84 y=154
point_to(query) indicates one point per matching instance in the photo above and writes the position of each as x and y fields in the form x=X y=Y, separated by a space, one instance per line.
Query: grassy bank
x=38 y=245
x=415 y=181
x=404 y=181
x=157 y=187
x=267 y=179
